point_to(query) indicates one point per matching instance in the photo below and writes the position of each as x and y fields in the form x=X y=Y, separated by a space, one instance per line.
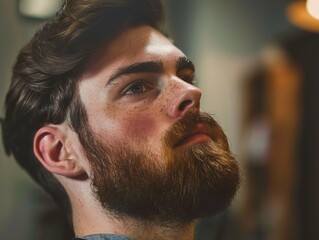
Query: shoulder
x=103 y=237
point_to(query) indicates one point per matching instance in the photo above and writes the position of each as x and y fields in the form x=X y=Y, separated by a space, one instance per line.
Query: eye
x=187 y=75
x=189 y=79
x=135 y=88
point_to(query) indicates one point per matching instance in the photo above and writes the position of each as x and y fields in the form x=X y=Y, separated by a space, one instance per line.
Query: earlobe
x=50 y=148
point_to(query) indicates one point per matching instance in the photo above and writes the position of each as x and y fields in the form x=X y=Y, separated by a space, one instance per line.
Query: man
x=102 y=112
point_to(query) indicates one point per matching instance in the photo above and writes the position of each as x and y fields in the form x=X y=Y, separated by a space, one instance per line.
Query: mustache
x=187 y=125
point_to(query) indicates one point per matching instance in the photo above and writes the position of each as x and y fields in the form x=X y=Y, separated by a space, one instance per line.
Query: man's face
x=138 y=107
x=153 y=155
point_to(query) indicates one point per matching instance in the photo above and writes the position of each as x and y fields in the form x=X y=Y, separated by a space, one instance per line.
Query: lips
x=201 y=133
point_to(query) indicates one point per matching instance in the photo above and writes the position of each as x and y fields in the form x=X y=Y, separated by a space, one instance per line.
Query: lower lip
x=197 y=138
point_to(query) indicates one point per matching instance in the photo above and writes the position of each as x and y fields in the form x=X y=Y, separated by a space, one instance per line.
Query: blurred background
x=257 y=63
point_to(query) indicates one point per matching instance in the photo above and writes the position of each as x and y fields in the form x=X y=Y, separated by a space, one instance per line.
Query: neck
x=90 y=218
x=162 y=232
x=136 y=229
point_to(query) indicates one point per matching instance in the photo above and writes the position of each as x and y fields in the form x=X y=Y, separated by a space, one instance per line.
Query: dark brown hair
x=44 y=80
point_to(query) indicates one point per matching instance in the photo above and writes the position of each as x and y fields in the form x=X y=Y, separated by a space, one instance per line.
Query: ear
x=51 y=148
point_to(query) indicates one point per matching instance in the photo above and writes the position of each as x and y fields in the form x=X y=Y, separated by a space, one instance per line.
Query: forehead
x=137 y=44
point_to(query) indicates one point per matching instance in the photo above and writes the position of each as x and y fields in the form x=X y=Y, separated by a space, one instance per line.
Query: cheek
x=141 y=126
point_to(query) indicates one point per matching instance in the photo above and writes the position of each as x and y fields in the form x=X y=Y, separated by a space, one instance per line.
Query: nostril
x=184 y=104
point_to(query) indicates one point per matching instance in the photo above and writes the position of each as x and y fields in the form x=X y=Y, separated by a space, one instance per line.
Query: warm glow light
x=298 y=14
x=313 y=8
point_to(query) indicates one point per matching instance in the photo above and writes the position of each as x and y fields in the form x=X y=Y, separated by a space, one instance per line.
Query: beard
x=190 y=182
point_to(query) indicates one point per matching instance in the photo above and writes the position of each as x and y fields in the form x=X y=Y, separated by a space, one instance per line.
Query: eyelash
x=128 y=90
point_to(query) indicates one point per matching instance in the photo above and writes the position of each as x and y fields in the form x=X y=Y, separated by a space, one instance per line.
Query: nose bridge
x=184 y=98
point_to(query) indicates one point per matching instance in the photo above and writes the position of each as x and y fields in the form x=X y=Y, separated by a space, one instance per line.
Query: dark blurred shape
x=37 y=217
x=271 y=127
x=303 y=49
x=51 y=222
x=282 y=142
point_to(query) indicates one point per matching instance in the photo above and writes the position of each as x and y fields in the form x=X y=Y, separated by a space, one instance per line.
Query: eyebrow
x=184 y=63
x=150 y=67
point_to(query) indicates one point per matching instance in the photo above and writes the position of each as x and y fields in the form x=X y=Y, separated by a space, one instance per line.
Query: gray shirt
x=104 y=237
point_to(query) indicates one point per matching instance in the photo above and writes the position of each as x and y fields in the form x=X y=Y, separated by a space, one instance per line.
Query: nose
x=186 y=98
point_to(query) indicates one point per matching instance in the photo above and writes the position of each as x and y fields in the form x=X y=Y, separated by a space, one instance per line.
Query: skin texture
x=136 y=110
x=130 y=117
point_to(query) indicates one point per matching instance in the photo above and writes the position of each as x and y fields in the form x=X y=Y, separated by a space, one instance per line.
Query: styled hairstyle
x=43 y=87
